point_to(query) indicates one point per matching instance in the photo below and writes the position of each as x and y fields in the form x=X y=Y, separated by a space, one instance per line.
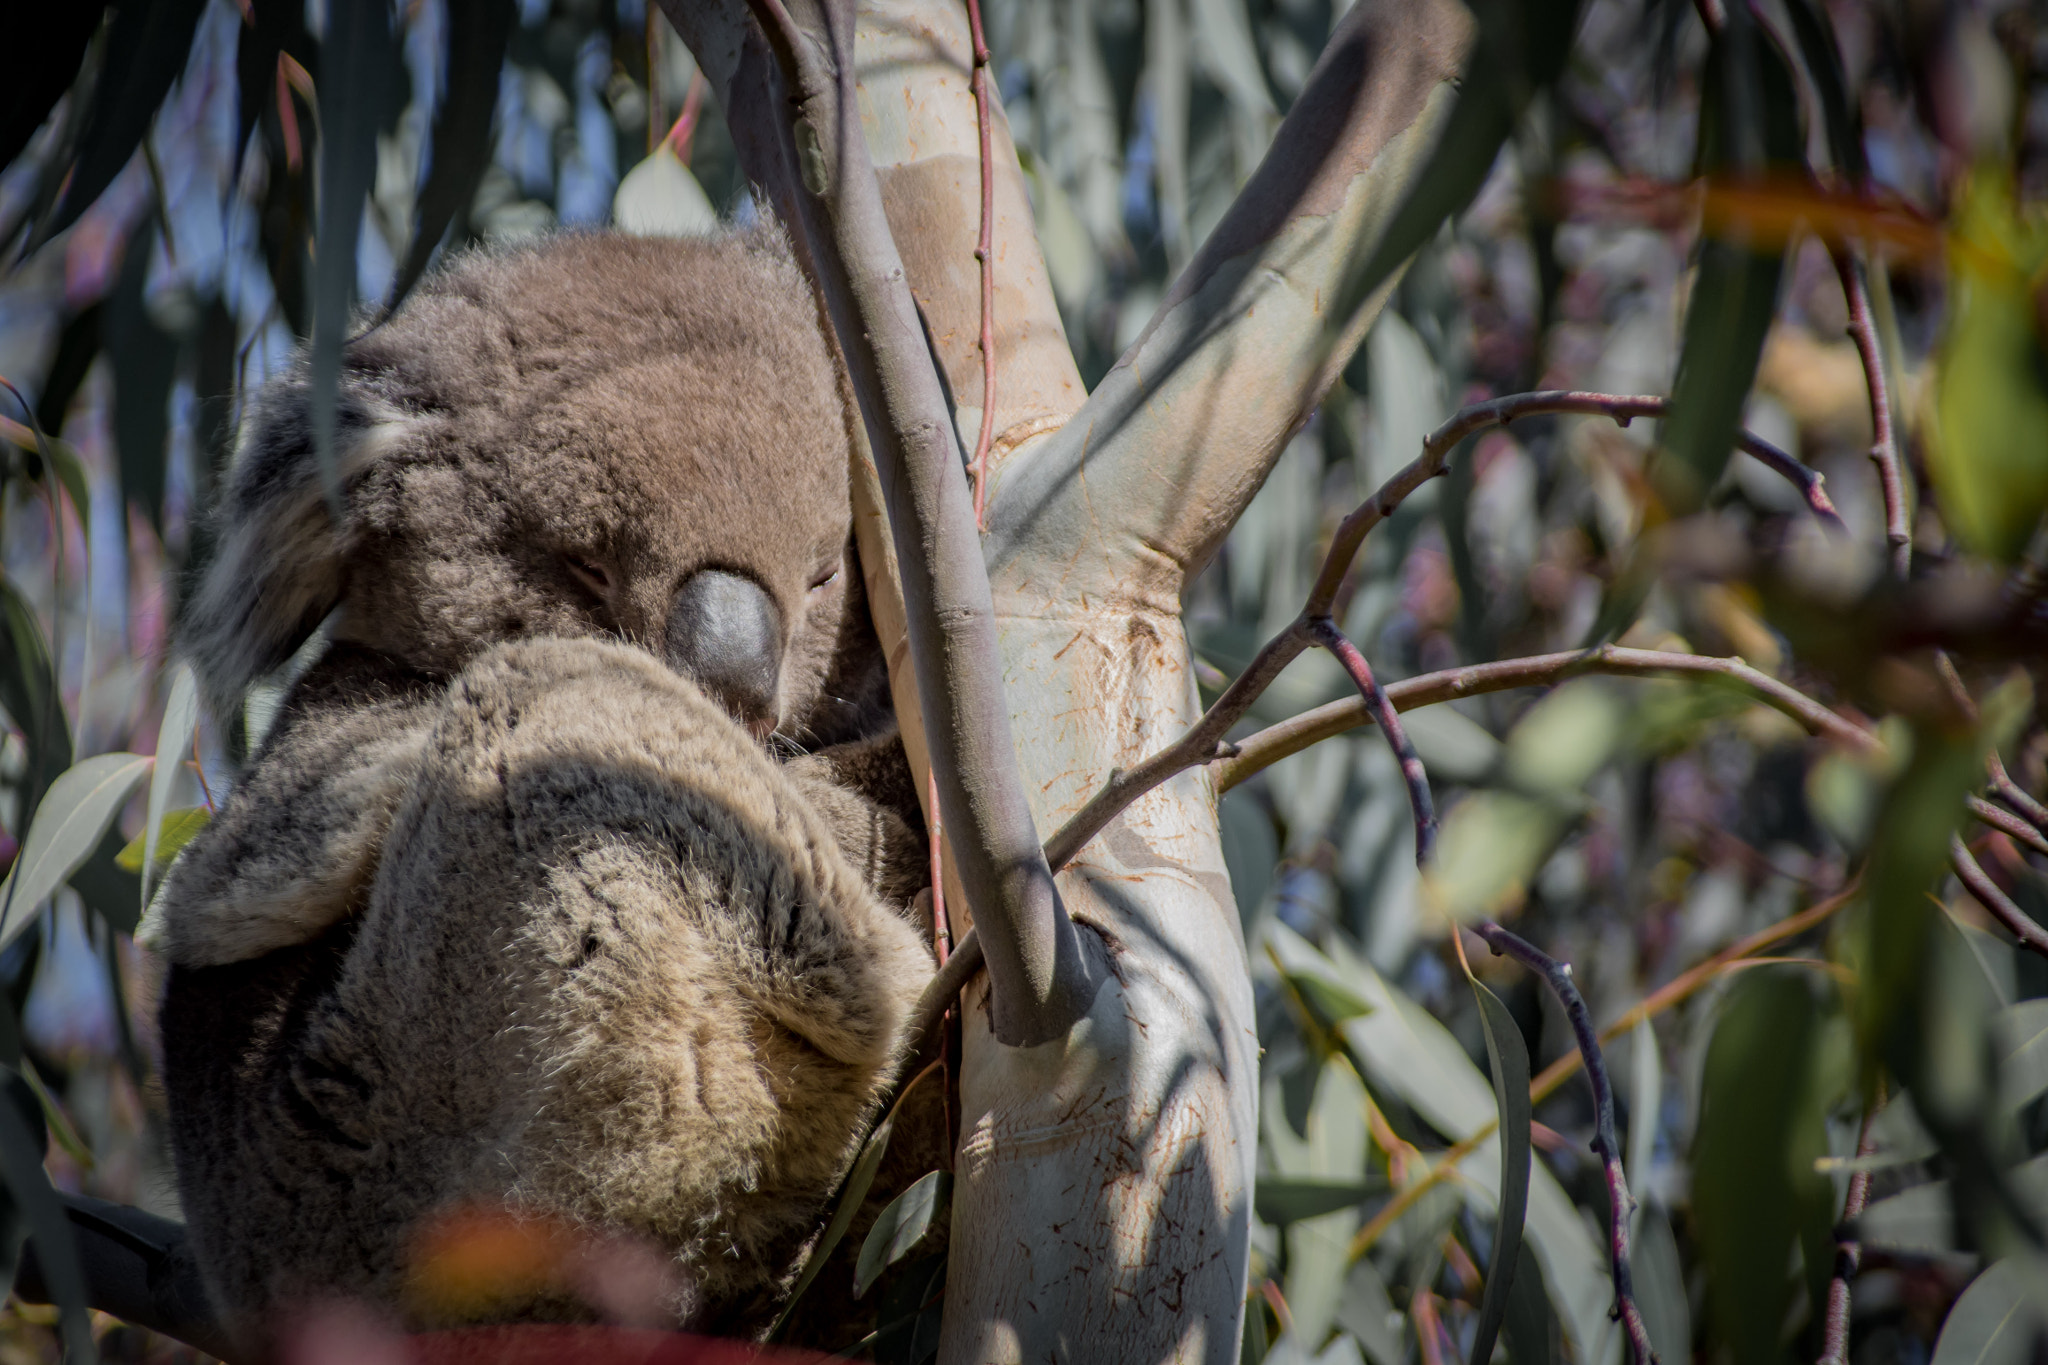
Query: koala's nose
x=725 y=634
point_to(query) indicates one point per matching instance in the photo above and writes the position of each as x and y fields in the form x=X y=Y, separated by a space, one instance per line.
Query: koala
x=575 y=878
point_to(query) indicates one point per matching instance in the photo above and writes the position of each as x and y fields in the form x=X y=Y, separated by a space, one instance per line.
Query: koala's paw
x=867 y=797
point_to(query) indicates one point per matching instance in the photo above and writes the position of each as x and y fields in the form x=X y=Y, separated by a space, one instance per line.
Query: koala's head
x=603 y=436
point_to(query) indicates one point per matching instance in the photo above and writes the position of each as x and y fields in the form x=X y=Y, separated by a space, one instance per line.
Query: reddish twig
x=1848 y=1251
x=1374 y=697
x=685 y=129
x=984 y=252
x=2005 y=822
x=1621 y=1207
x=655 y=112
x=1203 y=743
x=2014 y=795
x=1978 y=883
x=1884 y=450
x=1260 y=751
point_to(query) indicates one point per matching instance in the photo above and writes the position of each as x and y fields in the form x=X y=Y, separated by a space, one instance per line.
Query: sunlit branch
x=1884 y=449
x=1978 y=883
x=1621 y=1207
x=1041 y=974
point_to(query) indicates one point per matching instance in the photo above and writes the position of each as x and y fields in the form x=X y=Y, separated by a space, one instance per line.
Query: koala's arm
x=866 y=795
x=293 y=847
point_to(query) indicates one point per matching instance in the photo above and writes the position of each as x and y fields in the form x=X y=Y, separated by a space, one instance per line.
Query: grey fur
x=505 y=912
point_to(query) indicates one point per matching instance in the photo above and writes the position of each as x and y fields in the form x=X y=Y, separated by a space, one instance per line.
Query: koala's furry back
x=613 y=968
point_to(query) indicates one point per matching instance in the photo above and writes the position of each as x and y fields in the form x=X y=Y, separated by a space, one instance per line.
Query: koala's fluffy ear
x=278 y=563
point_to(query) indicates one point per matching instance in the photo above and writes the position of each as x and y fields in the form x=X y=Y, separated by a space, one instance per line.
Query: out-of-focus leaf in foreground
x=1755 y=1191
x=1998 y=1320
x=1989 y=450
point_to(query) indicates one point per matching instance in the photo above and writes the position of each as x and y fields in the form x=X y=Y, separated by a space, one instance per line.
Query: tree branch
x=2001 y=906
x=1848 y=1250
x=1884 y=450
x=1262 y=750
x=1621 y=1207
x=984 y=251
x=2008 y=824
x=1039 y=971
x=138 y=1267
x=1374 y=698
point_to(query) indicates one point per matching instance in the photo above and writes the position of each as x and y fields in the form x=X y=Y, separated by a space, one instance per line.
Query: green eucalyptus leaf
x=478 y=32
x=146 y=51
x=22 y=1142
x=1369 y=1314
x=1660 y=1285
x=1762 y=1127
x=173 y=742
x=176 y=830
x=1998 y=1320
x=859 y=1181
x=1509 y=1057
x=1281 y=1200
x=900 y=1228
x=74 y=815
x=2021 y=1033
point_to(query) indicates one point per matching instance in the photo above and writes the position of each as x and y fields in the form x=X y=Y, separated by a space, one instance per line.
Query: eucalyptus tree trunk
x=1102 y=1202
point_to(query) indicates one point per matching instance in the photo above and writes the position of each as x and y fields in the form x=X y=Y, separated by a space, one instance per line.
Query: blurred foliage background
x=1688 y=850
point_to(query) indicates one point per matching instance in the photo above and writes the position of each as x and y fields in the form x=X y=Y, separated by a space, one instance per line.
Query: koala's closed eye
x=825 y=576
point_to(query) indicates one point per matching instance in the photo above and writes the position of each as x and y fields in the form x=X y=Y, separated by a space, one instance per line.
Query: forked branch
x=1040 y=973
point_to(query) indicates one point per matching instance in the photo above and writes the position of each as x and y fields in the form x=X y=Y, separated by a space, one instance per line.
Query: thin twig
x=1978 y=883
x=1621 y=1208
x=1203 y=743
x=1374 y=699
x=1257 y=752
x=1848 y=1249
x=1884 y=449
x=2005 y=822
x=2014 y=795
x=1673 y=994
x=984 y=252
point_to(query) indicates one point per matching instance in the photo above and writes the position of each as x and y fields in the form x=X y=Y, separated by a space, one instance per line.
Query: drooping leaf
x=478 y=31
x=1369 y=1314
x=58 y=36
x=1815 y=34
x=357 y=64
x=1762 y=1126
x=28 y=692
x=1530 y=1327
x=900 y=1228
x=276 y=29
x=69 y=823
x=146 y=51
x=1998 y=1320
x=1646 y=1084
x=61 y=460
x=1491 y=844
x=1281 y=1200
x=144 y=360
x=21 y=1166
x=1748 y=126
x=1404 y=1051
x=1509 y=1057
x=173 y=742
x=858 y=1182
